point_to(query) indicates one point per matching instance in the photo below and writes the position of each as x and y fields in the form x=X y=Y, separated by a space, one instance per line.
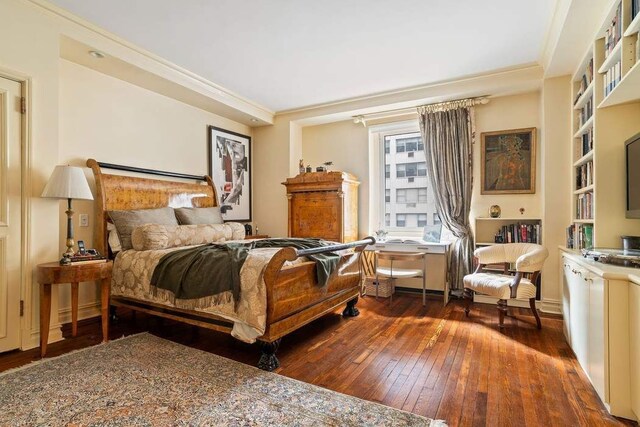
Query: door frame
x=26 y=279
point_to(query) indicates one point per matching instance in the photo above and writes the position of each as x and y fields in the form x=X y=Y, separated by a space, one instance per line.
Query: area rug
x=143 y=380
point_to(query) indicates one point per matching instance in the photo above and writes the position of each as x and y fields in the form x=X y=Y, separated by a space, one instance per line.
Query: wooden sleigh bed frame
x=294 y=297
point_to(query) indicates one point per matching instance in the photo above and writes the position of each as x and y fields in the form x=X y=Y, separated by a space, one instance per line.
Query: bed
x=293 y=296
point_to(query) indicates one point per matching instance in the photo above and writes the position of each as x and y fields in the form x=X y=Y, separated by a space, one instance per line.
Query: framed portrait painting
x=229 y=167
x=508 y=162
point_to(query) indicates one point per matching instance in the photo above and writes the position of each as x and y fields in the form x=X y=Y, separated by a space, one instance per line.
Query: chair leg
x=467 y=295
x=532 y=304
x=502 y=310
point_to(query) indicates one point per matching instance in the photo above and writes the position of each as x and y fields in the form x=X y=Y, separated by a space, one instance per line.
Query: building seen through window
x=408 y=197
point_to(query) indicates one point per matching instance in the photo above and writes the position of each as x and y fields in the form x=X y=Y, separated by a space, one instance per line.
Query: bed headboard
x=119 y=192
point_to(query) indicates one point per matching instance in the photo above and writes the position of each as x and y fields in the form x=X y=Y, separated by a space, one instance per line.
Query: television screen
x=633 y=177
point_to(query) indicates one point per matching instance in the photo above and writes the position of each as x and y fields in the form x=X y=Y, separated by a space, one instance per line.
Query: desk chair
x=401 y=273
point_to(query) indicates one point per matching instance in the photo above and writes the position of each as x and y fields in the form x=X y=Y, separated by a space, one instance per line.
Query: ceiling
x=288 y=54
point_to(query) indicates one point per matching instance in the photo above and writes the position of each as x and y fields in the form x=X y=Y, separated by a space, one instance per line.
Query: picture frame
x=229 y=157
x=508 y=161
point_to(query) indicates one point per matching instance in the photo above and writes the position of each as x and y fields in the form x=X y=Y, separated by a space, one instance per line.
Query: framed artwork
x=508 y=163
x=229 y=167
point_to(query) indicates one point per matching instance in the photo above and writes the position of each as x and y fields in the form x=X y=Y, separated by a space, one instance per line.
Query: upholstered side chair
x=528 y=258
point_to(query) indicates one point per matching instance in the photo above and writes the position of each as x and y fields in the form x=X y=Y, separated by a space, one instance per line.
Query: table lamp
x=68 y=182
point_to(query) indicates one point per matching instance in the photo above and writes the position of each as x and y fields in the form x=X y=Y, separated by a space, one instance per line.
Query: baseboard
x=546 y=306
x=85 y=311
x=552 y=306
x=55 y=335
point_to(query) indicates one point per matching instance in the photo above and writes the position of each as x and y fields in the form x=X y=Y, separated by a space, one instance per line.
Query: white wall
x=509 y=112
x=116 y=122
x=347 y=145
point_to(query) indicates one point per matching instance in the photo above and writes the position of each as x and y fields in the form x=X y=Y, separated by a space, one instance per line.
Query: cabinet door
x=579 y=310
x=634 y=335
x=595 y=332
x=317 y=214
x=565 y=271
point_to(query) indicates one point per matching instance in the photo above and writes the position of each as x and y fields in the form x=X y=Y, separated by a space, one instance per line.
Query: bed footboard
x=294 y=298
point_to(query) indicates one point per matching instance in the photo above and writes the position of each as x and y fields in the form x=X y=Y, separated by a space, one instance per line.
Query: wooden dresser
x=324 y=205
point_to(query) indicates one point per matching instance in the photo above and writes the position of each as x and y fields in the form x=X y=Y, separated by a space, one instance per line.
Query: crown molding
x=216 y=92
x=418 y=95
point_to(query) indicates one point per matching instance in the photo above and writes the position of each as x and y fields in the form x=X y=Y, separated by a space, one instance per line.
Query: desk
x=436 y=255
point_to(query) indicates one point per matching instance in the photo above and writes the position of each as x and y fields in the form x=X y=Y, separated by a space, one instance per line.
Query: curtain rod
x=362 y=118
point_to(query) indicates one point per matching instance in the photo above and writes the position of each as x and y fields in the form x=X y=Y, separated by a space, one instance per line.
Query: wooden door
x=10 y=213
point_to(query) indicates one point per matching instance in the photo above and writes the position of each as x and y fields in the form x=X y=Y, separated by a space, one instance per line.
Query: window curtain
x=448 y=134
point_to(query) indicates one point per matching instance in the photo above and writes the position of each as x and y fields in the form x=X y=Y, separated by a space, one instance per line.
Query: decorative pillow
x=126 y=221
x=114 y=240
x=158 y=236
x=191 y=216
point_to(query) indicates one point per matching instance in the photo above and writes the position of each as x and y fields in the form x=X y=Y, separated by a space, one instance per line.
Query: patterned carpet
x=143 y=380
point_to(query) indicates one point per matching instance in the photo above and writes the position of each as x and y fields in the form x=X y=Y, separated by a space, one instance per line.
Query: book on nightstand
x=87 y=259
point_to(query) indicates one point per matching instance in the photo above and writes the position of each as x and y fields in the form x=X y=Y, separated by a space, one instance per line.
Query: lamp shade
x=67 y=182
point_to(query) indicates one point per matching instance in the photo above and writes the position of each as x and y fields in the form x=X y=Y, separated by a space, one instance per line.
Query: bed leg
x=268 y=360
x=351 y=310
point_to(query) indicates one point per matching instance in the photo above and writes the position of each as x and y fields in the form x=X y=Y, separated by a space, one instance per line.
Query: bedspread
x=132 y=272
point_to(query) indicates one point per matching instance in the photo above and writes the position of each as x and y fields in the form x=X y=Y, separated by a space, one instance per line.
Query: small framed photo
x=229 y=167
x=508 y=163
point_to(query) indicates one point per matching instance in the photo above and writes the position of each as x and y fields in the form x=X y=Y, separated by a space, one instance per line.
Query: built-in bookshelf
x=606 y=110
x=489 y=231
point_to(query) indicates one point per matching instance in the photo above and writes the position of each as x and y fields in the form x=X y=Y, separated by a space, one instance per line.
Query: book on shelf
x=585 y=80
x=580 y=236
x=613 y=34
x=584 y=175
x=519 y=233
x=612 y=77
x=587 y=142
x=586 y=112
x=584 y=206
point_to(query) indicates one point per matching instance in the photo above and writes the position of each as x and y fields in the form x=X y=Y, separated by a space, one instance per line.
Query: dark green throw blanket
x=215 y=268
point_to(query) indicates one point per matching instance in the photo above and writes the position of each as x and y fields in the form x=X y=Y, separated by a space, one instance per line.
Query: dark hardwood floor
x=431 y=361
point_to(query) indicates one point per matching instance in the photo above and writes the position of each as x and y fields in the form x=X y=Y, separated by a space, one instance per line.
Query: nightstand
x=53 y=273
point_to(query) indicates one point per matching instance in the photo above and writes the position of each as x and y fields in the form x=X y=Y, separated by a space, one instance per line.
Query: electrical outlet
x=84 y=220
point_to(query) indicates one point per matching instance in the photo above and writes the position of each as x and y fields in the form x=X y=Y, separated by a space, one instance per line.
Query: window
x=407 y=208
x=408 y=145
x=422 y=195
x=436 y=219
x=404 y=170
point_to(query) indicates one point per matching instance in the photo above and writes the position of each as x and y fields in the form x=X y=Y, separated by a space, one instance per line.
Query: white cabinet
x=578 y=320
x=596 y=333
x=634 y=350
x=601 y=310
